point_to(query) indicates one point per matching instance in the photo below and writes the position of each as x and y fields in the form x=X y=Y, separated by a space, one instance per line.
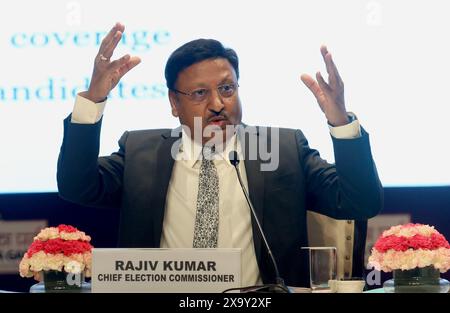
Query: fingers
x=115 y=65
x=125 y=68
x=109 y=49
x=328 y=64
x=322 y=83
x=324 y=52
x=106 y=74
x=313 y=86
x=333 y=74
x=308 y=81
x=328 y=95
x=117 y=27
x=110 y=42
x=124 y=64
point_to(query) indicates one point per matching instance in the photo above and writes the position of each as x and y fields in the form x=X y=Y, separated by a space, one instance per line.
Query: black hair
x=196 y=51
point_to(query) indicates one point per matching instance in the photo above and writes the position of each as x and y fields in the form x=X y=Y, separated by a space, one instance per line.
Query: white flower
x=410 y=230
x=73 y=267
x=55 y=262
x=24 y=267
x=38 y=261
x=47 y=233
x=79 y=235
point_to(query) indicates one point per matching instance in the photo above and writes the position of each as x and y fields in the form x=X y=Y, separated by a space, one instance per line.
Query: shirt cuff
x=349 y=131
x=86 y=111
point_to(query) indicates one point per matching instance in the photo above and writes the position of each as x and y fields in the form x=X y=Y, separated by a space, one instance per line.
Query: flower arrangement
x=62 y=248
x=410 y=246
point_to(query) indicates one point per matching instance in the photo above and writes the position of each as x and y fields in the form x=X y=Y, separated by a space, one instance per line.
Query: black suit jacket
x=135 y=180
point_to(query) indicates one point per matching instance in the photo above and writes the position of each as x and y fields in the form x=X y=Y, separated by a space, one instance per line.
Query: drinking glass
x=322 y=267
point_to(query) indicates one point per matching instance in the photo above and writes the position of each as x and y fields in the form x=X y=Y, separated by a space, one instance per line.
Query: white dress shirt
x=235 y=229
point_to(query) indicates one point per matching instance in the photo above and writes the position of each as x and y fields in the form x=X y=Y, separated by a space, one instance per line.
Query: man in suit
x=175 y=189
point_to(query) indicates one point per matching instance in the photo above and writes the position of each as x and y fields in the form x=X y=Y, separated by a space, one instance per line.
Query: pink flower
x=384 y=244
x=67 y=228
x=439 y=241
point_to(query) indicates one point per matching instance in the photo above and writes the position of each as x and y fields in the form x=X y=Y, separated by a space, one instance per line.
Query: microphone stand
x=279 y=286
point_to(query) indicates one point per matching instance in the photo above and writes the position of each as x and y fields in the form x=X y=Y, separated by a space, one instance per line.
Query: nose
x=216 y=104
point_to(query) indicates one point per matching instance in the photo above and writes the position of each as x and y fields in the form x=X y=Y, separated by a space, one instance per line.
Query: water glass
x=322 y=267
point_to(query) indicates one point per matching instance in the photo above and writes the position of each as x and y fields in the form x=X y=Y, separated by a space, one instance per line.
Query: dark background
x=426 y=205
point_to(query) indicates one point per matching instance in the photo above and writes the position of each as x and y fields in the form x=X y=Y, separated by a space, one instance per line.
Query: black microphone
x=280 y=286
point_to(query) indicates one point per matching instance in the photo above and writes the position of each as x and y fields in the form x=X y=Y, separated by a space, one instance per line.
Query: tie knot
x=208 y=152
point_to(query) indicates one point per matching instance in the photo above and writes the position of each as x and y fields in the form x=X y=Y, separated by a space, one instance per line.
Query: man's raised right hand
x=107 y=73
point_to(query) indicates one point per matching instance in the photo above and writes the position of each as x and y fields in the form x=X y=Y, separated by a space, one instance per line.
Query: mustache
x=221 y=115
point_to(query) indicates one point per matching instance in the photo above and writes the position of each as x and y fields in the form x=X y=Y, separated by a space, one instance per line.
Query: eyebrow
x=226 y=79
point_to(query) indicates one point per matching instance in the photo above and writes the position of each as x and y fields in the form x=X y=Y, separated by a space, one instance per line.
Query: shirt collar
x=192 y=151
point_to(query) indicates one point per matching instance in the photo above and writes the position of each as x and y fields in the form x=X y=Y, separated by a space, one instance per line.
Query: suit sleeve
x=348 y=189
x=82 y=176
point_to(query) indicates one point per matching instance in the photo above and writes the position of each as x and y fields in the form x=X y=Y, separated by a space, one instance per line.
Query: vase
x=56 y=281
x=418 y=280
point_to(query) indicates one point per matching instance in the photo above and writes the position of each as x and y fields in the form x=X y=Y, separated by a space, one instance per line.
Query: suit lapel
x=164 y=166
x=255 y=179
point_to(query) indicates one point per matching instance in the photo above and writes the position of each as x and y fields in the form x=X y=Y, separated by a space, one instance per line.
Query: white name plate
x=165 y=270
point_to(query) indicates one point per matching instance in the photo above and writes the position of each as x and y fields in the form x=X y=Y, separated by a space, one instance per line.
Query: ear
x=173 y=103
